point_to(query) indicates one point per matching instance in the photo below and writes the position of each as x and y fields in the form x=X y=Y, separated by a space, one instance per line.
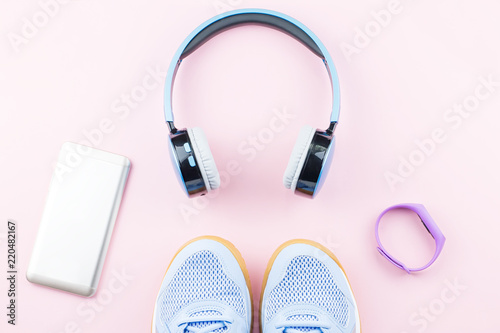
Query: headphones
x=313 y=152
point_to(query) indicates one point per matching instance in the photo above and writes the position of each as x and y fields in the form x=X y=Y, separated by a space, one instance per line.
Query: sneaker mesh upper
x=200 y=278
x=308 y=281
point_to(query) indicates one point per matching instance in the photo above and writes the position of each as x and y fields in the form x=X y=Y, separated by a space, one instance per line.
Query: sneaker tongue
x=304 y=318
x=202 y=324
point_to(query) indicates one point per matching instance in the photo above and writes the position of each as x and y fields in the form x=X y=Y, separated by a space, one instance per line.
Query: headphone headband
x=268 y=18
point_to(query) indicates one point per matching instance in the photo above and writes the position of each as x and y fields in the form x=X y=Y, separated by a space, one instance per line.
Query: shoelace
x=217 y=322
x=290 y=326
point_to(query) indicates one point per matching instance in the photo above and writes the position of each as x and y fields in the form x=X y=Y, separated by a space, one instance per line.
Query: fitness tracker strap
x=238 y=17
x=429 y=224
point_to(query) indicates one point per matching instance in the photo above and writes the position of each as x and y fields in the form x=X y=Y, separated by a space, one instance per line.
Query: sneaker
x=205 y=289
x=305 y=289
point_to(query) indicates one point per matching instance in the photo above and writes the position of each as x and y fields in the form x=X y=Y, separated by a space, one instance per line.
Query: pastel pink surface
x=71 y=75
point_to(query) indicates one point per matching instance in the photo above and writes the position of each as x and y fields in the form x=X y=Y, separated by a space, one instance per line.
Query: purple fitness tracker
x=429 y=224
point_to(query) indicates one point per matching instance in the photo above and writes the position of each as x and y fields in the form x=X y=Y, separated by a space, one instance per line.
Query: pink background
x=431 y=55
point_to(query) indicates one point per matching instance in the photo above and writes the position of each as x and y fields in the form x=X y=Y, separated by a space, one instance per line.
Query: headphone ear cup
x=204 y=158
x=297 y=159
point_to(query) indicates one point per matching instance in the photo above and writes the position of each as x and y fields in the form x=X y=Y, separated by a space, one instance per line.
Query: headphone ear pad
x=204 y=158
x=298 y=157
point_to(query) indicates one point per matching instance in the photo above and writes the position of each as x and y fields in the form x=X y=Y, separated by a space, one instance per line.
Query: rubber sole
x=307 y=242
x=237 y=255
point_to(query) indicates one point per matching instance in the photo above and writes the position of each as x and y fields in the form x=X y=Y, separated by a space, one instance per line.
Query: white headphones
x=311 y=157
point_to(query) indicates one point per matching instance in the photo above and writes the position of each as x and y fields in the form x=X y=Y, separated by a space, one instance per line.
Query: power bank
x=80 y=212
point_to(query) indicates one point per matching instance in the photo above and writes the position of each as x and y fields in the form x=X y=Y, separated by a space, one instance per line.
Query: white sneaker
x=205 y=289
x=305 y=289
